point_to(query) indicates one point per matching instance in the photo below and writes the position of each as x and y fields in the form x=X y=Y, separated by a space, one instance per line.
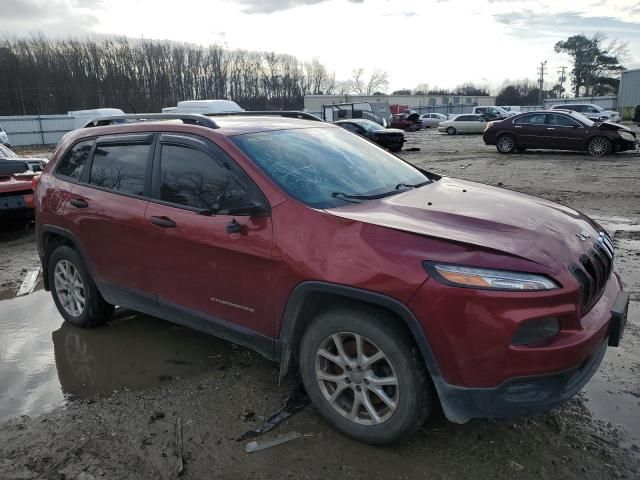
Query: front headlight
x=486 y=278
x=626 y=136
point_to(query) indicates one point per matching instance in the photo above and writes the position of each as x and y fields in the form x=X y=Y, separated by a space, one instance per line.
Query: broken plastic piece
x=257 y=446
x=292 y=405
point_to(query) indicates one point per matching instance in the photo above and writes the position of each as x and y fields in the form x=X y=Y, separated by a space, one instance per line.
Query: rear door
x=106 y=209
x=531 y=130
x=211 y=271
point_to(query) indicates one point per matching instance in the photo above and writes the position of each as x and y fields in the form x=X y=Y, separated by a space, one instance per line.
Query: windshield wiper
x=348 y=196
x=408 y=185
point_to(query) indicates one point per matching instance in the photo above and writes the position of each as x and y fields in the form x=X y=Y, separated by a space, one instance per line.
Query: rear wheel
x=451 y=131
x=363 y=373
x=599 y=147
x=505 y=143
x=74 y=291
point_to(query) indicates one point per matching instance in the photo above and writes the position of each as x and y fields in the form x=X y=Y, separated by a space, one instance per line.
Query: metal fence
x=36 y=129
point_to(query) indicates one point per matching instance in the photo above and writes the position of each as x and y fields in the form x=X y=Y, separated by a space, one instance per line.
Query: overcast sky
x=439 y=42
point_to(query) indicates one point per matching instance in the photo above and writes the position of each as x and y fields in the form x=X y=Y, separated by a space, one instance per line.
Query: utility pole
x=562 y=79
x=541 y=69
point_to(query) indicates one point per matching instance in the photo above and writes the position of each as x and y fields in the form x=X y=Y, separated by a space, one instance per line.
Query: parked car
x=4 y=138
x=409 y=122
x=82 y=117
x=559 y=130
x=386 y=287
x=389 y=138
x=595 y=112
x=432 y=119
x=33 y=164
x=16 y=183
x=463 y=124
x=492 y=113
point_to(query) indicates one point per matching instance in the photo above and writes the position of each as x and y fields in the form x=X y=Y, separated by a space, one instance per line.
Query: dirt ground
x=117 y=392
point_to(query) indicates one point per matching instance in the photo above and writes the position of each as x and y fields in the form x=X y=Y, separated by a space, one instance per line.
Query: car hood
x=614 y=126
x=520 y=225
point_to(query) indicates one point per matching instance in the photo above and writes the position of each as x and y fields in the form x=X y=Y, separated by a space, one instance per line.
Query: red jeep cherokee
x=386 y=287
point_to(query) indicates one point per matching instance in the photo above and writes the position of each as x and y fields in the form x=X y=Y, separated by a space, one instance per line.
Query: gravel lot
x=118 y=391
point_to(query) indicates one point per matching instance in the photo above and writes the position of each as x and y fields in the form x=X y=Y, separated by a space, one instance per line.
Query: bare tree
x=378 y=82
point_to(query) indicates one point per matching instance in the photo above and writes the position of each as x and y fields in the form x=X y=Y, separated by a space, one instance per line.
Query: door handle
x=79 y=203
x=550 y=128
x=163 y=222
x=518 y=126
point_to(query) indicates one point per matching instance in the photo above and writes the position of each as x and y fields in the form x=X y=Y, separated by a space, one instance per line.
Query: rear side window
x=558 y=120
x=73 y=162
x=120 y=168
x=194 y=179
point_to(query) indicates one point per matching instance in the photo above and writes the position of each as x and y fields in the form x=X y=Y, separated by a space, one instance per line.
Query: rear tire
x=379 y=401
x=599 y=147
x=451 y=131
x=74 y=291
x=505 y=143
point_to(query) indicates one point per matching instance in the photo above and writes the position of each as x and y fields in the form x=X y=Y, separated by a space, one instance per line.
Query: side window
x=464 y=118
x=481 y=110
x=194 y=179
x=120 y=167
x=533 y=119
x=558 y=120
x=73 y=162
x=349 y=126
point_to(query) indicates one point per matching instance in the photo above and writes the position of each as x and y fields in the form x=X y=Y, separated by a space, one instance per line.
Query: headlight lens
x=626 y=135
x=488 y=278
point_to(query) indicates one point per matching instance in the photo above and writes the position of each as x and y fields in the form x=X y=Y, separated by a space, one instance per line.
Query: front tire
x=74 y=291
x=364 y=374
x=599 y=147
x=451 y=131
x=505 y=143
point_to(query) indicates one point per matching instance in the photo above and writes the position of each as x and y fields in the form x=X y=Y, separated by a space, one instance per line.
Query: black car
x=390 y=138
x=559 y=130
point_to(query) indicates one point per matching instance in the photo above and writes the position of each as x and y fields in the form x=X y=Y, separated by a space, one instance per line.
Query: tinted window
x=75 y=159
x=349 y=126
x=318 y=165
x=194 y=179
x=561 y=120
x=532 y=119
x=120 y=167
x=464 y=118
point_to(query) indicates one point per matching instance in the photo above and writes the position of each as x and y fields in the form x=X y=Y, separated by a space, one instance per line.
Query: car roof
x=227 y=126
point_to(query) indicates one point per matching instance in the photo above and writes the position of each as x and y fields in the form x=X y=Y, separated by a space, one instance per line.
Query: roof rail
x=189 y=118
x=268 y=113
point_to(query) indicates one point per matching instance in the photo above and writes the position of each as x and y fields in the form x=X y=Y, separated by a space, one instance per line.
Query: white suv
x=590 y=110
x=4 y=138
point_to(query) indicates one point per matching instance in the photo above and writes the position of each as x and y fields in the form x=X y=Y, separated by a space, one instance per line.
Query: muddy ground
x=104 y=403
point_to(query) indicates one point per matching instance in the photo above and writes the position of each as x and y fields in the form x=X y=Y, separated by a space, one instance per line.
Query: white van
x=205 y=106
x=82 y=117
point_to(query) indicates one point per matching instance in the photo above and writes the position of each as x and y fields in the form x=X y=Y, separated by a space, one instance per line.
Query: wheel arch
x=52 y=237
x=309 y=298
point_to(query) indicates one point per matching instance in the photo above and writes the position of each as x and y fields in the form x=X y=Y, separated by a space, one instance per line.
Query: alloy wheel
x=505 y=144
x=357 y=378
x=69 y=288
x=598 y=147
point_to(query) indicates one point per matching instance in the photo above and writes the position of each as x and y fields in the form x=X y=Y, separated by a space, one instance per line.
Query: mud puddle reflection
x=44 y=361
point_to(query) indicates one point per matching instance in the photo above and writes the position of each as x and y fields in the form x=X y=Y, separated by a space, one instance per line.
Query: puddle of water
x=44 y=360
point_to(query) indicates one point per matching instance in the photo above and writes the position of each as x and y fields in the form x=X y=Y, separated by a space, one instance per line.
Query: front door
x=564 y=132
x=210 y=270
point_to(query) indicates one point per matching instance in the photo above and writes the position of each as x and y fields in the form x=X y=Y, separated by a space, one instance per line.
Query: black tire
x=96 y=310
x=505 y=143
x=415 y=393
x=451 y=131
x=599 y=147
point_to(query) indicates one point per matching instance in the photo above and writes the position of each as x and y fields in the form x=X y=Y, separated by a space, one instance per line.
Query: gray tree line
x=39 y=75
